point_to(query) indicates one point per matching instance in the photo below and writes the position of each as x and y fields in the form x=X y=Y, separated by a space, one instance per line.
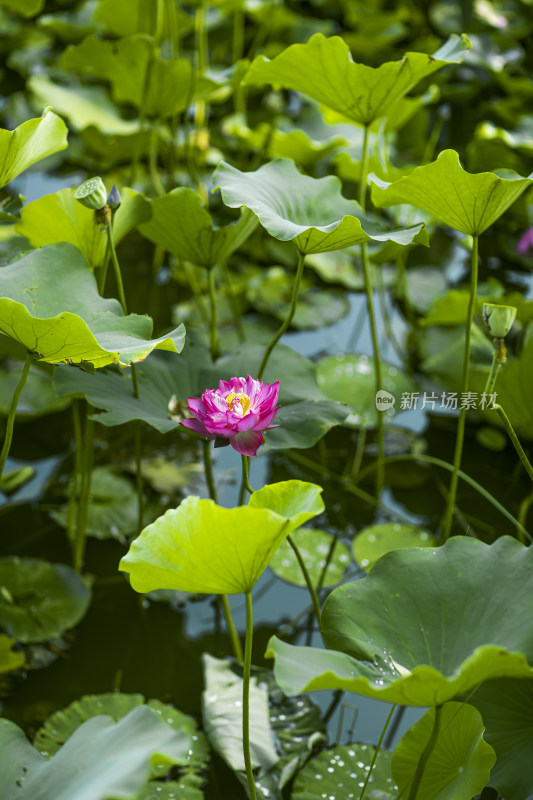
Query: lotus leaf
x=324 y=70
x=311 y=212
x=9 y=660
x=452 y=648
x=40 y=600
x=201 y=547
x=373 y=542
x=30 y=142
x=469 y=203
x=49 y=303
x=314 y=546
x=460 y=762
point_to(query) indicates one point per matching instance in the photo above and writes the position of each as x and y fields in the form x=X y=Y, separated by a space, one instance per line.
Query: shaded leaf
x=49 y=303
x=384 y=655
x=30 y=142
x=311 y=212
x=38 y=396
x=301 y=425
x=40 y=600
x=459 y=764
x=342 y=769
x=469 y=203
x=324 y=70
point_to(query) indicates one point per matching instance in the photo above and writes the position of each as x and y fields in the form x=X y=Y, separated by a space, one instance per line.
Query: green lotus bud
x=498 y=319
x=92 y=194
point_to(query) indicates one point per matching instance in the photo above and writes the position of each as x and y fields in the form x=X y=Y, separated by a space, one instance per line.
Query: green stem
x=232 y=630
x=238 y=34
x=426 y=753
x=103 y=273
x=85 y=492
x=448 y=517
x=514 y=439
x=245 y=480
x=353 y=470
x=10 y=424
x=139 y=476
x=246 y=697
x=190 y=274
x=376 y=753
x=152 y=162
x=116 y=268
x=364 y=170
x=493 y=374
x=307 y=578
x=214 y=345
x=286 y=324
x=233 y=302
x=525 y=505
x=74 y=480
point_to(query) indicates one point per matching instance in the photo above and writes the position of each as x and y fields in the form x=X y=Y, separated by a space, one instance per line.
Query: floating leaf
x=373 y=542
x=222 y=716
x=331 y=772
x=469 y=203
x=49 y=303
x=30 y=142
x=181 y=224
x=9 y=660
x=384 y=655
x=314 y=546
x=39 y=600
x=60 y=726
x=202 y=547
x=302 y=425
x=60 y=217
x=80 y=769
x=324 y=70
x=349 y=378
x=459 y=764
x=311 y=212
x=506 y=706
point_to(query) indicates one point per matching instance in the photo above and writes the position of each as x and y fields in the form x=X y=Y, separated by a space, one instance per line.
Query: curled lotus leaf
x=30 y=142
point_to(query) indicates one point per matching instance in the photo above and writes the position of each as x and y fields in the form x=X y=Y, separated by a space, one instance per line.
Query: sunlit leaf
x=373 y=542
x=49 y=303
x=201 y=547
x=379 y=652
x=324 y=70
x=39 y=600
x=9 y=659
x=30 y=142
x=181 y=224
x=469 y=203
x=311 y=212
x=460 y=762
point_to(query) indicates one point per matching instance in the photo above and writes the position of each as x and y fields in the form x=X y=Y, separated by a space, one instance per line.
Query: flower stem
x=234 y=636
x=10 y=424
x=246 y=697
x=214 y=346
x=116 y=268
x=426 y=753
x=493 y=374
x=376 y=753
x=515 y=440
x=245 y=481
x=85 y=492
x=307 y=578
x=74 y=481
x=448 y=517
x=286 y=323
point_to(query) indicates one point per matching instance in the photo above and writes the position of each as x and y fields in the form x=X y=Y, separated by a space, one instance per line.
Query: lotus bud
x=114 y=199
x=498 y=319
x=92 y=194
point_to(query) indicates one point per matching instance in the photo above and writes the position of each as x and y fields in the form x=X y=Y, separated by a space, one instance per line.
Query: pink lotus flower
x=526 y=243
x=238 y=410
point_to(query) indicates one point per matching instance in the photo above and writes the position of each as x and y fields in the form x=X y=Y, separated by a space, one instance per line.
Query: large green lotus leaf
x=17 y=757
x=60 y=217
x=460 y=639
x=9 y=660
x=506 y=706
x=181 y=224
x=222 y=716
x=84 y=106
x=373 y=542
x=124 y=65
x=30 y=142
x=302 y=425
x=350 y=378
x=343 y=769
x=314 y=546
x=127 y=17
x=460 y=762
x=201 y=547
x=60 y=726
x=49 y=303
x=311 y=212
x=40 y=600
x=80 y=769
x=324 y=70
x=38 y=396
x=469 y=203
